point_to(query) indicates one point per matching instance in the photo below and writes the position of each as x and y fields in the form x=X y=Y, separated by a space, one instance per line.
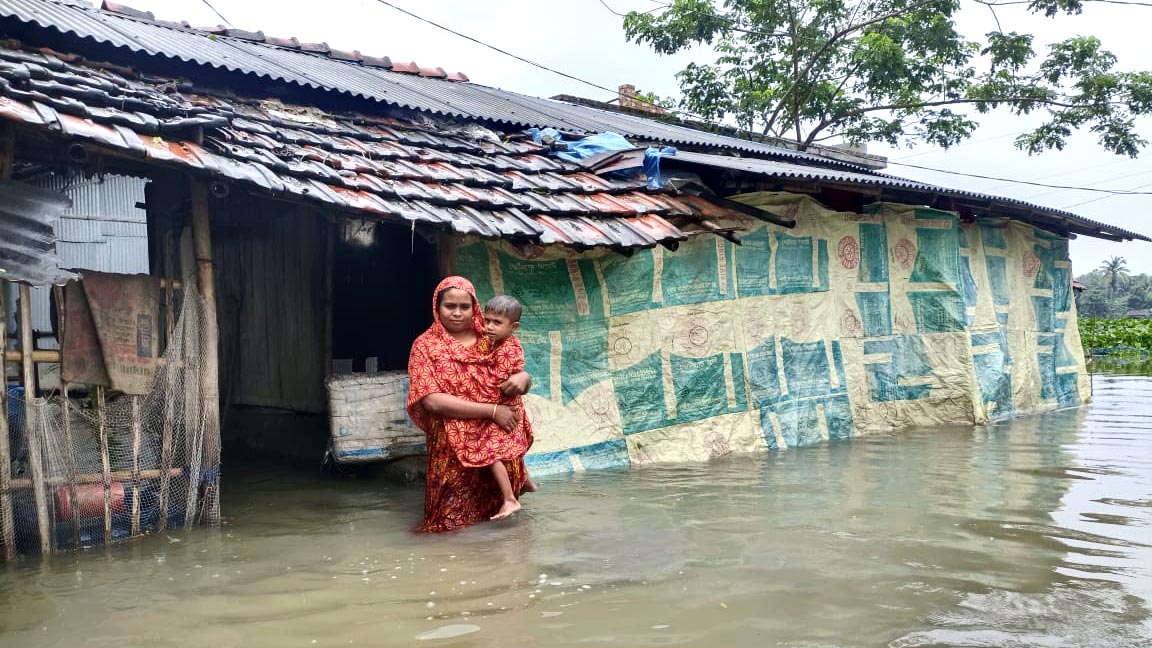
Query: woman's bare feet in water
x=508 y=508
x=529 y=485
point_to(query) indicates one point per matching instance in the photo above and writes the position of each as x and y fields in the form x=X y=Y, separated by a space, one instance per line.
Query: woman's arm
x=517 y=384
x=449 y=406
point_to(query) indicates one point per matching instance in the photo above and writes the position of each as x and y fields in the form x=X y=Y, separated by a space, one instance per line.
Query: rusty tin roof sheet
x=448 y=174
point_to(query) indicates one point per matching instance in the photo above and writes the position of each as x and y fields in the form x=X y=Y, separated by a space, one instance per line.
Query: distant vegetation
x=1111 y=297
x=1116 y=336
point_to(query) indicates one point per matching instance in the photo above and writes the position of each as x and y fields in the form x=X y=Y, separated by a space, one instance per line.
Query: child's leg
x=510 y=504
x=529 y=485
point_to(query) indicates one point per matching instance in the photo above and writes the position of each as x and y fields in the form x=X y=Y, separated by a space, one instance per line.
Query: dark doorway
x=382 y=296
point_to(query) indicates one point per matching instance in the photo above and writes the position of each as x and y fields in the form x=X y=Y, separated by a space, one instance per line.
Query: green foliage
x=1111 y=292
x=1116 y=336
x=889 y=71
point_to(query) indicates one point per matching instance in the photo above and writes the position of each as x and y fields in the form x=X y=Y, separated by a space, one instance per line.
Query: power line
x=218 y=14
x=1005 y=3
x=955 y=146
x=1142 y=172
x=521 y=58
x=1100 y=198
x=1118 y=192
x=652 y=10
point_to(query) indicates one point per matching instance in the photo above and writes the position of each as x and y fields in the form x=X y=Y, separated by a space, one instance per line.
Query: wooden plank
x=7 y=521
x=210 y=371
x=35 y=453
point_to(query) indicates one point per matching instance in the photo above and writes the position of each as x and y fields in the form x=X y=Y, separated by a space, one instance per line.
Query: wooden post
x=446 y=254
x=169 y=396
x=66 y=412
x=105 y=461
x=35 y=455
x=135 y=466
x=7 y=521
x=210 y=373
x=7 y=149
x=331 y=232
x=190 y=392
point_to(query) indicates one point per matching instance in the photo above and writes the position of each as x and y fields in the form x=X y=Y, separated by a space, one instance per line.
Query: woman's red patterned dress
x=456 y=495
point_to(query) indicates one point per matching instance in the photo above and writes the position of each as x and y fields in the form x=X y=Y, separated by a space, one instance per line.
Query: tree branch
x=928 y=104
x=832 y=40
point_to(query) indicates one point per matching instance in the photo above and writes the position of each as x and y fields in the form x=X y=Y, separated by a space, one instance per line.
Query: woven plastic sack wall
x=846 y=324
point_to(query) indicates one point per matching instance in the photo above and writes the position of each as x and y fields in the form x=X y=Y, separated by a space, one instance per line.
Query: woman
x=446 y=363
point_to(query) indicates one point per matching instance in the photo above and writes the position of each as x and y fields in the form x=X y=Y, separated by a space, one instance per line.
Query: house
x=734 y=296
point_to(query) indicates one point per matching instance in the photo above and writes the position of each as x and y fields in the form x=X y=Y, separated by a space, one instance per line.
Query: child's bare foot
x=508 y=508
x=529 y=485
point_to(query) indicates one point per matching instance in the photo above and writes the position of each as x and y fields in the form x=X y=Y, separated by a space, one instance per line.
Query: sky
x=584 y=39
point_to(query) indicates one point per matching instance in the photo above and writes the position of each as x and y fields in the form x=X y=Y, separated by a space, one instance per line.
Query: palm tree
x=1114 y=268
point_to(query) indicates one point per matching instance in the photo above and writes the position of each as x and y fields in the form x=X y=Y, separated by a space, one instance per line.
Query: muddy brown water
x=1032 y=532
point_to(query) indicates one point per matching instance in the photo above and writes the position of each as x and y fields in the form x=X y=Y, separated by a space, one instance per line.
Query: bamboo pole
x=39 y=356
x=97 y=478
x=7 y=521
x=105 y=463
x=69 y=446
x=35 y=455
x=169 y=396
x=135 y=466
x=210 y=373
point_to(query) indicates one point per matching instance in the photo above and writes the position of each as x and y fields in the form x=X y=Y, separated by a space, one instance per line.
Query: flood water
x=1034 y=532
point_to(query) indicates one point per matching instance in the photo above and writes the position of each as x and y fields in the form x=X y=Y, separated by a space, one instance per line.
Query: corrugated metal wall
x=104 y=230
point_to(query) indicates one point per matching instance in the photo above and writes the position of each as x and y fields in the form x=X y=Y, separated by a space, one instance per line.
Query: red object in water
x=89 y=500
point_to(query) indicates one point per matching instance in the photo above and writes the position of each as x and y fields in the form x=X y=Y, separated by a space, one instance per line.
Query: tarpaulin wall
x=846 y=324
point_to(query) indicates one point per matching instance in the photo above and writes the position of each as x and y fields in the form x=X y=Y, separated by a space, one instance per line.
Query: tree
x=892 y=71
x=1113 y=269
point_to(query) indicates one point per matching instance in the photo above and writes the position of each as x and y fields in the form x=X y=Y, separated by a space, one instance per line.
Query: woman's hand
x=517 y=384
x=505 y=417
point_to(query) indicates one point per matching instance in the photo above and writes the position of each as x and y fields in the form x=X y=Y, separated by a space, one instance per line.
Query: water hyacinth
x=1115 y=336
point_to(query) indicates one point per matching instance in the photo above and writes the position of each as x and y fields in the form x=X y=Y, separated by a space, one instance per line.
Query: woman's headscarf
x=459 y=283
x=438 y=361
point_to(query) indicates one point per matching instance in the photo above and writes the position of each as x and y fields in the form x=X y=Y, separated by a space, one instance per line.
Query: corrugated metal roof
x=456 y=175
x=438 y=173
x=780 y=169
x=306 y=69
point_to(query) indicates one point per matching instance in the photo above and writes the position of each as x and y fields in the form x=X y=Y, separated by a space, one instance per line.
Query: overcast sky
x=584 y=39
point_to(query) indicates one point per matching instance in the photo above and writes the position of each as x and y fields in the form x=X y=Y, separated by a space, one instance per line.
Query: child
x=501 y=319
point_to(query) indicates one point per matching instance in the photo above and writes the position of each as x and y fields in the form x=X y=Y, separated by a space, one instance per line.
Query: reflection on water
x=1034 y=532
x=1133 y=366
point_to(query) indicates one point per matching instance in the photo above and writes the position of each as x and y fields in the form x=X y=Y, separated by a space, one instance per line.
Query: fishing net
x=91 y=466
